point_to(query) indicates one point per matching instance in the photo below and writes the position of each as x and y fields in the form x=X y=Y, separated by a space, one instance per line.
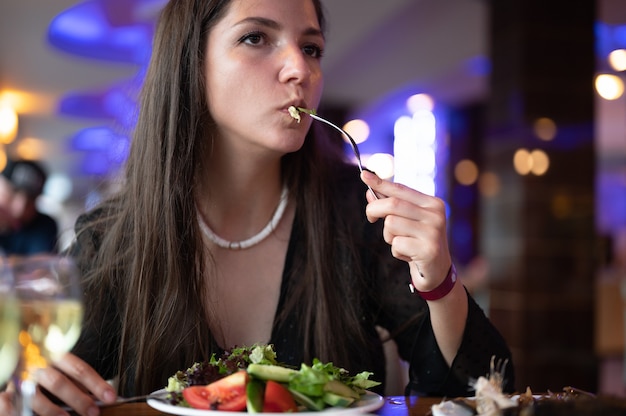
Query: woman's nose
x=295 y=67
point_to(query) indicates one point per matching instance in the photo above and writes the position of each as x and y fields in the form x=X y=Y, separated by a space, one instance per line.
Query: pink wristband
x=443 y=289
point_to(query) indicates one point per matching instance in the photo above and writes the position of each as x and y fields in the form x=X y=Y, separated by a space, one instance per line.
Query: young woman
x=177 y=266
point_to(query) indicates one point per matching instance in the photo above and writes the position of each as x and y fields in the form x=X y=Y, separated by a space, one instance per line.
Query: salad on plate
x=250 y=379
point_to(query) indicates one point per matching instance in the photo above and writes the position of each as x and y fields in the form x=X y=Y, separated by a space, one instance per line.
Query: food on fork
x=293 y=112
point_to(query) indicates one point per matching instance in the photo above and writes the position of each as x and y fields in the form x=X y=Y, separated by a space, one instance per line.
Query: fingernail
x=109 y=396
x=370 y=171
x=368 y=174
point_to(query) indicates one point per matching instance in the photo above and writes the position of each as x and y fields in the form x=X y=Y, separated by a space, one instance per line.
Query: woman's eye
x=313 y=51
x=253 y=38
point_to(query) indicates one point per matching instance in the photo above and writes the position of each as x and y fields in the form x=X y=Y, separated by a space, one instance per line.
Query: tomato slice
x=228 y=394
x=278 y=399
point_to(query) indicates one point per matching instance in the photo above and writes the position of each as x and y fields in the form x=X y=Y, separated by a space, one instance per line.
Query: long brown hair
x=150 y=257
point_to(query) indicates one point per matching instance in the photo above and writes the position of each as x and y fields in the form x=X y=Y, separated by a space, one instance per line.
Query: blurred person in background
x=23 y=229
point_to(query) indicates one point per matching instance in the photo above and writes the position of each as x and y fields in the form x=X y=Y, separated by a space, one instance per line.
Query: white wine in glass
x=49 y=294
x=9 y=323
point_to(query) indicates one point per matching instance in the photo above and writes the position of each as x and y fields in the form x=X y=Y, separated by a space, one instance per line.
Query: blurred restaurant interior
x=512 y=111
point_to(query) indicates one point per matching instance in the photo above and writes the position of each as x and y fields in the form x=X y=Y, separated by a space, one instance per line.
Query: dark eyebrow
x=272 y=24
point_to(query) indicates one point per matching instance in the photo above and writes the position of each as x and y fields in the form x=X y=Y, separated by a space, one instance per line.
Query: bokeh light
x=540 y=162
x=382 y=164
x=419 y=102
x=522 y=162
x=8 y=124
x=609 y=87
x=3 y=159
x=30 y=148
x=415 y=151
x=489 y=184
x=617 y=59
x=58 y=187
x=466 y=172
x=545 y=128
x=536 y=162
x=358 y=129
x=561 y=206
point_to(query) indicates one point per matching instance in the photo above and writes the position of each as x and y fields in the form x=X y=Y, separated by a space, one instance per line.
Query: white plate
x=368 y=403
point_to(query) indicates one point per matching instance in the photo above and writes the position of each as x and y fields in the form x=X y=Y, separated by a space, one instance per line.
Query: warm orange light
x=30 y=148
x=466 y=172
x=536 y=162
x=3 y=159
x=358 y=129
x=522 y=162
x=561 y=206
x=545 y=128
x=8 y=124
x=489 y=184
x=540 y=162
x=28 y=103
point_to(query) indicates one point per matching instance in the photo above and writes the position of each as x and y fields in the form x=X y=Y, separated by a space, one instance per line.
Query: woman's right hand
x=73 y=382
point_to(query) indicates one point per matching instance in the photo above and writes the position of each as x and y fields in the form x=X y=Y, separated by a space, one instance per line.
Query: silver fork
x=161 y=395
x=355 y=148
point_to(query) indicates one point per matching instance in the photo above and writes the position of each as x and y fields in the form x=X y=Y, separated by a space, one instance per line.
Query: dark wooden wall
x=538 y=232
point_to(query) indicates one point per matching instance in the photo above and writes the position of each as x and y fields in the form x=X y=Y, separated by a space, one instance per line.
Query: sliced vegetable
x=340 y=389
x=337 y=400
x=311 y=403
x=306 y=110
x=271 y=372
x=228 y=394
x=278 y=399
x=238 y=379
x=255 y=392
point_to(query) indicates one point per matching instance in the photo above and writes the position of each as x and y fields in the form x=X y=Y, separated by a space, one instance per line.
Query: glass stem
x=24 y=400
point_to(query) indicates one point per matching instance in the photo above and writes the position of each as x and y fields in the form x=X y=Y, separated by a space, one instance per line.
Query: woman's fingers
x=6 y=403
x=385 y=189
x=74 y=383
x=414 y=227
x=87 y=377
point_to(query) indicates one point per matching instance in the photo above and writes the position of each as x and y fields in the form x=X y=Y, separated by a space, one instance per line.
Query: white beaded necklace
x=255 y=239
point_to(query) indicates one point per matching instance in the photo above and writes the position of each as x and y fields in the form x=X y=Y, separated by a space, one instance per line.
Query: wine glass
x=9 y=323
x=49 y=295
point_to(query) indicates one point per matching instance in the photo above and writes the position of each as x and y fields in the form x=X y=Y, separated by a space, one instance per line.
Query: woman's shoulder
x=91 y=225
x=93 y=217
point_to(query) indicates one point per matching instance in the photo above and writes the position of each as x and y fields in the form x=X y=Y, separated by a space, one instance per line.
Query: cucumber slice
x=341 y=389
x=315 y=404
x=337 y=400
x=271 y=372
x=255 y=392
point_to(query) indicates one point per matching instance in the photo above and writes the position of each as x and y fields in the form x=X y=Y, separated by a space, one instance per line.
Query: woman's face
x=262 y=57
